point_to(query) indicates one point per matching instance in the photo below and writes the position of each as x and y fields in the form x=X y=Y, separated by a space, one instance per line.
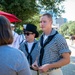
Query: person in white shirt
x=15 y=42
x=30 y=46
x=22 y=36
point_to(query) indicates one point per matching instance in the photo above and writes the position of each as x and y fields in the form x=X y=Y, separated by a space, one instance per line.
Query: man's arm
x=64 y=61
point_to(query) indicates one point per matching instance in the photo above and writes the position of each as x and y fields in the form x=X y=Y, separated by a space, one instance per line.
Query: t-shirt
x=13 y=62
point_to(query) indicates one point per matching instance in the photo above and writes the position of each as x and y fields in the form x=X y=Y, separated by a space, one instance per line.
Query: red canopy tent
x=11 y=17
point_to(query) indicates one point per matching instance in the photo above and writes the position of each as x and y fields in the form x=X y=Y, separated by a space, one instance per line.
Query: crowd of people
x=25 y=55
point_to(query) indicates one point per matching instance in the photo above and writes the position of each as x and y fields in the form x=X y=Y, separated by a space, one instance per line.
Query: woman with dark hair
x=12 y=61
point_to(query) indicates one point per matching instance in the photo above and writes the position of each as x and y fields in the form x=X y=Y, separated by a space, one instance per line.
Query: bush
x=67 y=37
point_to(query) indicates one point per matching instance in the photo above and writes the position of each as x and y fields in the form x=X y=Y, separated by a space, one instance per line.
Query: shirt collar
x=52 y=32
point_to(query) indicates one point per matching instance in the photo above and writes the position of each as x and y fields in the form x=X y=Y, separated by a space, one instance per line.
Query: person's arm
x=64 y=61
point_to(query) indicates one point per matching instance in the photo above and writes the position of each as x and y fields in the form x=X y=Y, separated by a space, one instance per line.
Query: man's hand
x=35 y=66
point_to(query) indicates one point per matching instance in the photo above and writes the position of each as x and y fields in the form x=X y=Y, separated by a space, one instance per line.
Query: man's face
x=29 y=36
x=45 y=23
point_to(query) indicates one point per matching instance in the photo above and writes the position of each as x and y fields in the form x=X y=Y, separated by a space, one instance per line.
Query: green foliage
x=23 y=9
x=28 y=10
x=63 y=29
x=68 y=28
x=53 y=6
x=67 y=37
x=72 y=28
x=40 y=32
x=19 y=29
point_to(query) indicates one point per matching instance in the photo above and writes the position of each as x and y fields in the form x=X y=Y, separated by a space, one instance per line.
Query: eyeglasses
x=27 y=33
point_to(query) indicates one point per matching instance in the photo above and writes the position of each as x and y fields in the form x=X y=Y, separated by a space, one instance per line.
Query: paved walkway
x=70 y=68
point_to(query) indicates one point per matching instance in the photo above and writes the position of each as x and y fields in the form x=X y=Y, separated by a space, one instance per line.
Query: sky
x=69 y=10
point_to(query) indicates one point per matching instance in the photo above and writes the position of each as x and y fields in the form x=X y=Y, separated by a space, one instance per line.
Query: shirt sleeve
x=62 y=45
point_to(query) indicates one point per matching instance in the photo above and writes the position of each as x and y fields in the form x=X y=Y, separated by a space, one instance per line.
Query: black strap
x=21 y=42
x=29 y=57
x=43 y=45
